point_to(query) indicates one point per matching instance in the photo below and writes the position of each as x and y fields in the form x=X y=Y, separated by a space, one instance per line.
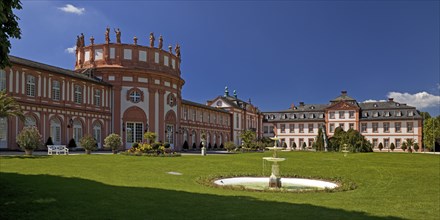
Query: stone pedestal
x=203 y=152
x=274 y=179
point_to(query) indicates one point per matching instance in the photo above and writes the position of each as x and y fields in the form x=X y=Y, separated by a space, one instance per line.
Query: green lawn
x=389 y=186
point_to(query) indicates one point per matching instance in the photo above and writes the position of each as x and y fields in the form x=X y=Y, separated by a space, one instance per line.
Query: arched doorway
x=97 y=133
x=4 y=132
x=77 y=131
x=170 y=125
x=134 y=124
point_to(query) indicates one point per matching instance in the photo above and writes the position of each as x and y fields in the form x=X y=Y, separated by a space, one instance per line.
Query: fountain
x=274 y=179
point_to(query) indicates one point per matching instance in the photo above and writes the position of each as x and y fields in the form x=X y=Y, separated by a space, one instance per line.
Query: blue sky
x=274 y=52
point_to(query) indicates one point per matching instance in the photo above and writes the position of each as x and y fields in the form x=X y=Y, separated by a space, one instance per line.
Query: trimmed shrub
x=284 y=145
x=167 y=145
x=230 y=146
x=135 y=145
x=201 y=145
x=293 y=146
x=416 y=147
x=155 y=145
x=49 y=141
x=185 y=145
x=113 y=141
x=215 y=146
x=404 y=146
x=194 y=146
x=380 y=146
x=88 y=143
x=304 y=145
x=209 y=146
x=29 y=138
x=221 y=146
x=72 y=143
x=392 y=147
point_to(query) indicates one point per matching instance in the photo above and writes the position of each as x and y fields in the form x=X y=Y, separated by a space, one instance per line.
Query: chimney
x=343 y=92
x=390 y=99
x=301 y=103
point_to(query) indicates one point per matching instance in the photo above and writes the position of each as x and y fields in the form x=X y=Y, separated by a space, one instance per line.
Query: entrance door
x=4 y=132
x=134 y=132
x=170 y=135
x=55 y=131
x=97 y=134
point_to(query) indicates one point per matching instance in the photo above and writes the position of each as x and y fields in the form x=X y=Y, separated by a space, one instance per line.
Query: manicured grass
x=389 y=186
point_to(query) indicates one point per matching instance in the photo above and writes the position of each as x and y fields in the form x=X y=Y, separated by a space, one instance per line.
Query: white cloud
x=71 y=49
x=72 y=9
x=372 y=100
x=421 y=100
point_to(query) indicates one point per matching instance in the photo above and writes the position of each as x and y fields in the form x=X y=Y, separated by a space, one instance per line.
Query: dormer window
x=410 y=113
x=376 y=114
x=312 y=107
x=399 y=114
x=397 y=104
x=375 y=105
x=312 y=116
x=366 y=114
x=272 y=117
x=293 y=116
x=285 y=116
x=321 y=116
x=387 y=114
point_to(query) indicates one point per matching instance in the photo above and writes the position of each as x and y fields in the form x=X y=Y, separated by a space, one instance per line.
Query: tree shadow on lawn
x=3 y=157
x=55 y=197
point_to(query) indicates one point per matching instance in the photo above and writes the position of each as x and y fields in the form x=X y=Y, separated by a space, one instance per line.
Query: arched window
x=193 y=137
x=55 y=130
x=220 y=139
x=97 y=134
x=215 y=139
x=208 y=138
x=30 y=121
x=77 y=131
x=185 y=135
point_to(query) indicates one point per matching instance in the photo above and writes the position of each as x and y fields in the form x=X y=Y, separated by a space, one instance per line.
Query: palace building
x=380 y=122
x=129 y=89
x=120 y=88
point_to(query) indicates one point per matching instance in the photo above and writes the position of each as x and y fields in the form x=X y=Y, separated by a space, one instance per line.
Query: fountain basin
x=288 y=184
x=273 y=159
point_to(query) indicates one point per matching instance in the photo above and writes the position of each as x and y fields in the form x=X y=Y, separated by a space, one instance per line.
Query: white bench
x=57 y=149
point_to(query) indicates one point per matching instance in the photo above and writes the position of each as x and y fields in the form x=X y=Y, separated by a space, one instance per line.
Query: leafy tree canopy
x=9 y=28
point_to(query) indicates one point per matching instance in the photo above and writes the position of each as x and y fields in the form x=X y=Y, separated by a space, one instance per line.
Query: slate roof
x=187 y=102
x=55 y=69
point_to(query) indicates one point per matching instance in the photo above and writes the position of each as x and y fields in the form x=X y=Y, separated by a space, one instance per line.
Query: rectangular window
x=351 y=126
x=97 y=98
x=127 y=54
x=351 y=114
x=409 y=127
x=185 y=114
x=397 y=127
x=332 y=115
x=364 y=127
x=2 y=80
x=310 y=128
x=112 y=53
x=237 y=121
x=266 y=129
x=166 y=61
x=98 y=54
x=341 y=114
x=78 y=94
x=398 y=143
x=156 y=57
x=283 y=128
x=386 y=127
x=173 y=63
x=30 y=85
x=292 y=128
x=311 y=140
x=271 y=129
x=201 y=116
x=332 y=127
x=341 y=125
x=375 y=127
x=87 y=55
x=375 y=142
x=143 y=56
x=194 y=115
x=56 y=90
x=301 y=128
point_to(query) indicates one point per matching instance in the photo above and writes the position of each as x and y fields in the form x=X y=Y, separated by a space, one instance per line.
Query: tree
x=247 y=137
x=319 y=141
x=9 y=29
x=416 y=147
x=410 y=143
x=185 y=145
x=431 y=132
x=29 y=139
x=425 y=115
x=150 y=136
x=9 y=107
x=113 y=141
x=355 y=141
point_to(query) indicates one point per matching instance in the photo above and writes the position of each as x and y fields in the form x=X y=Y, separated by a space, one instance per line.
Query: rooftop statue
x=107 y=35
x=160 y=42
x=135 y=40
x=118 y=35
x=81 y=40
x=152 y=39
x=177 y=50
x=78 y=42
x=92 y=40
x=170 y=49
